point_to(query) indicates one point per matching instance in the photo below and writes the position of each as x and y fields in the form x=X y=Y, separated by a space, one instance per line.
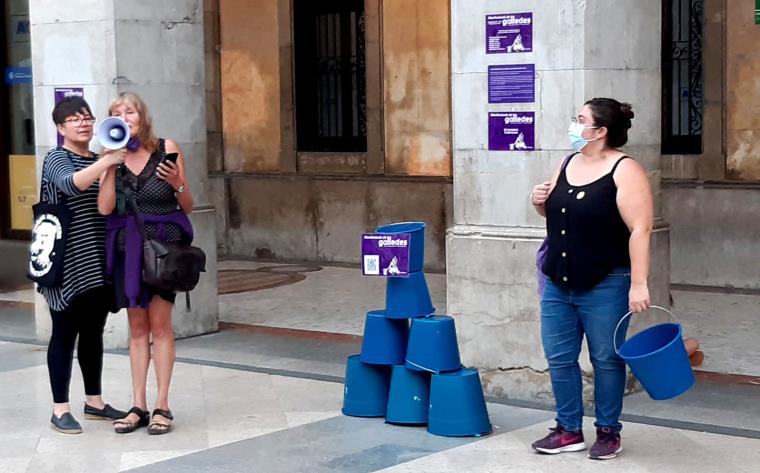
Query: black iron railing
x=682 y=82
x=330 y=77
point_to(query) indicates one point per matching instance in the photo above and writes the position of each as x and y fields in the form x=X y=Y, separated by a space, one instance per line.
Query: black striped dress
x=84 y=258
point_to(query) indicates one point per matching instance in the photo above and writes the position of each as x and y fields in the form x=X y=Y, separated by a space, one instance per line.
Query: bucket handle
x=617 y=327
x=421 y=367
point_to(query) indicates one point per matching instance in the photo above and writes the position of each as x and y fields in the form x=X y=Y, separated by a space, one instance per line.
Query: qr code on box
x=372 y=264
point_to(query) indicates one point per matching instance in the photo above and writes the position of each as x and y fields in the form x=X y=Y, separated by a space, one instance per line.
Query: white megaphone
x=113 y=133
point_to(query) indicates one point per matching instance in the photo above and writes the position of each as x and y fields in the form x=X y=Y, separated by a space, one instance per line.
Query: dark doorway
x=682 y=83
x=330 y=79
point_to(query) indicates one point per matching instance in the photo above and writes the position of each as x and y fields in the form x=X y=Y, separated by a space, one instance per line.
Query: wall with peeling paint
x=250 y=73
x=285 y=204
x=742 y=91
x=416 y=87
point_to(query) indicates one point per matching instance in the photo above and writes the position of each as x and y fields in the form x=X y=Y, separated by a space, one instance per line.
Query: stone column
x=581 y=50
x=156 y=50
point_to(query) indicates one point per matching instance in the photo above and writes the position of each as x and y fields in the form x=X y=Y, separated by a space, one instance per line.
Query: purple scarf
x=134 y=247
x=540 y=258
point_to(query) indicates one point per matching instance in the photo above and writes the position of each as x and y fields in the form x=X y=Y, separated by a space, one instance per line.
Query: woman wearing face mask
x=599 y=214
x=79 y=305
x=158 y=188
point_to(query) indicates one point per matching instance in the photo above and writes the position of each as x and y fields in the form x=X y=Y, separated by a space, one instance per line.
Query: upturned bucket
x=409 y=396
x=457 y=405
x=365 y=392
x=433 y=345
x=408 y=297
x=385 y=339
x=416 y=230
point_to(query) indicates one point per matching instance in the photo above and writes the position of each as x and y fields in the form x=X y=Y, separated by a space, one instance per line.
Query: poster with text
x=511 y=131
x=385 y=254
x=509 y=33
x=512 y=83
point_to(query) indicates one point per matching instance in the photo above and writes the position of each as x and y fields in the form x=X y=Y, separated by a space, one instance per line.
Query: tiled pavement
x=268 y=399
x=269 y=419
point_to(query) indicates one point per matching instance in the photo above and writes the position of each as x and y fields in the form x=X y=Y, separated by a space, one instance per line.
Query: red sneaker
x=607 y=445
x=560 y=440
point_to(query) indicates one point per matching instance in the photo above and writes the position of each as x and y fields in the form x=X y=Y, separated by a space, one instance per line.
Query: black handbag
x=172 y=266
x=49 y=233
x=169 y=266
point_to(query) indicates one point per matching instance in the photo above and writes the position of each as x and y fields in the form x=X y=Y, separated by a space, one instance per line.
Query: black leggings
x=86 y=317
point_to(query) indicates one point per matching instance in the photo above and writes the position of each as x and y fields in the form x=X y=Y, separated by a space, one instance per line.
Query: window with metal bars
x=682 y=85
x=331 y=110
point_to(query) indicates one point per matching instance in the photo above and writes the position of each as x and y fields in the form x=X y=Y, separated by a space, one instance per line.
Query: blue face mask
x=575 y=135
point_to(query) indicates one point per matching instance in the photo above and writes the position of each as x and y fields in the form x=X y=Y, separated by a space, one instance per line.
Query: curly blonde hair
x=145 y=134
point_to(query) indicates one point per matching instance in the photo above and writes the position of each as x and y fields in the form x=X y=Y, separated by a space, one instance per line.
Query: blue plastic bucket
x=409 y=397
x=658 y=359
x=416 y=231
x=433 y=345
x=365 y=393
x=385 y=339
x=457 y=406
x=408 y=297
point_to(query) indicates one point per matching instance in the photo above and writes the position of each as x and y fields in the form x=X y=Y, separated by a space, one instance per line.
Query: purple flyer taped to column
x=509 y=33
x=385 y=254
x=60 y=93
x=511 y=131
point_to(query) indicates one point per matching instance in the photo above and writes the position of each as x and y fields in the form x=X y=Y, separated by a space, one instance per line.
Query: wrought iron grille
x=682 y=76
x=331 y=104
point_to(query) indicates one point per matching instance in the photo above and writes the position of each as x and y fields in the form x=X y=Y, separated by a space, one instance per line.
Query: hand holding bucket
x=658 y=358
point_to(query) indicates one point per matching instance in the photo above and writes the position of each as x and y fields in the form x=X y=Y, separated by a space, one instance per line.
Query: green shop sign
x=757 y=12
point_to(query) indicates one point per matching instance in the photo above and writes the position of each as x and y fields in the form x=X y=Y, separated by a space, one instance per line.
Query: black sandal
x=126 y=426
x=158 y=428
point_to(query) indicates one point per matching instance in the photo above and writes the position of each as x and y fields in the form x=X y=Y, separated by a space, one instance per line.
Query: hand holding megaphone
x=113 y=133
x=114 y=156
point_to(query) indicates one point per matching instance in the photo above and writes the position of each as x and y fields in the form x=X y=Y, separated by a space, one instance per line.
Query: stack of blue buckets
x=411 y=374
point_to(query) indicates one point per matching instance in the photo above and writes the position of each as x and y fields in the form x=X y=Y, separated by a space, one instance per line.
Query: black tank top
x=587 y=235
x=153 y=196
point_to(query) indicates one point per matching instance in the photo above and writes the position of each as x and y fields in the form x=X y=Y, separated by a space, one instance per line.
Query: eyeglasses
x=79 y=121
x=575 y=120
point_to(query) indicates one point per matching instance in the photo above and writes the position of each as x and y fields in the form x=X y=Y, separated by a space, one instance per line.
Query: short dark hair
x=69 y=106
x=613 y=115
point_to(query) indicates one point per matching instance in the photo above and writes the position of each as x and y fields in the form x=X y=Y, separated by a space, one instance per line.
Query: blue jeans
x=565 y=316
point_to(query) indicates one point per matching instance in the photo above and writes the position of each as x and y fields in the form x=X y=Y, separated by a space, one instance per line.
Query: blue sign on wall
x=512 y=83
x=18 y=75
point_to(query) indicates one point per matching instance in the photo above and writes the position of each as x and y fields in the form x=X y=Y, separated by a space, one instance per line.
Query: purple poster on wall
x=59 y=93
x=511 y=131
x=385 y=255
x=512 y=83
x=509 y=33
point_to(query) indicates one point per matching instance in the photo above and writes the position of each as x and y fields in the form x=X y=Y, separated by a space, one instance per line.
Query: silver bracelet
x=530 y=197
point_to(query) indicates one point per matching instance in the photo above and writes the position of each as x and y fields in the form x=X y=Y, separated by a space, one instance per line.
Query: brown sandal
x=158 y=428
x=125 y=426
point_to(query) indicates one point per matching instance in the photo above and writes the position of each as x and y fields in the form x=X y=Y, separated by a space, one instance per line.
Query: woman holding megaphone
x=67 y=261
x=150 y=185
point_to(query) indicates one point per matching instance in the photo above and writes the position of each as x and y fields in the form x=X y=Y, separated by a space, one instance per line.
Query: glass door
x=17 y=160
